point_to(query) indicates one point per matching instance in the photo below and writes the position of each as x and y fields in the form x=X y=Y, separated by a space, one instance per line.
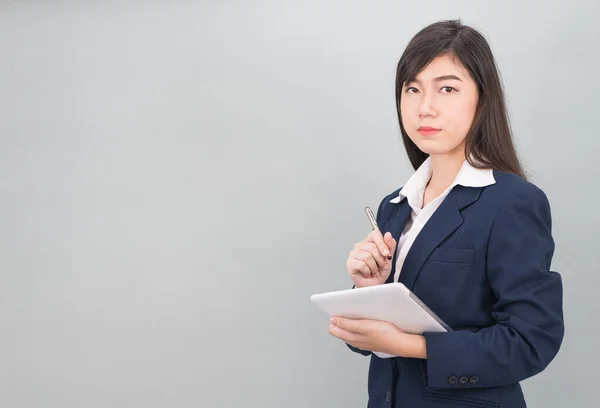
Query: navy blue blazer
x=482 y=263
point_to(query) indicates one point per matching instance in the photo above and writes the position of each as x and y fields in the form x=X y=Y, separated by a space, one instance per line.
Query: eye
x=448 y=88
x=410 y=89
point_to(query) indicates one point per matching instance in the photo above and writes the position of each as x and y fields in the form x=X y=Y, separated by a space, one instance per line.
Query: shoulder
x=512 y=189
x=518 y=200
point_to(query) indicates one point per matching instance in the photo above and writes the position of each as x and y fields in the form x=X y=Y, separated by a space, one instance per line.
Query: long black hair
x=489 y=142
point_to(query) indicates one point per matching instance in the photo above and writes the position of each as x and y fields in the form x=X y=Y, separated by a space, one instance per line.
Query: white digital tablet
x=391 y=302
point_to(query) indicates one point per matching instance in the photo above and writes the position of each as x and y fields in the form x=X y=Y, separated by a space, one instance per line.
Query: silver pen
x=374 y=223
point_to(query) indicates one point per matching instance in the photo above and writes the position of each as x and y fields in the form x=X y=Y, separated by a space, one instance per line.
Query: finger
x=372 y=248
x=346 y=336
x=390 y=241
x=367 y=257
x=364 y=256
x=359 y=266
x=376 y=237
x=355 y=326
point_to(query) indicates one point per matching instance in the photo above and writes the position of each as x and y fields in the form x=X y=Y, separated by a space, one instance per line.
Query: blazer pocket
x=459 y=400
x=453 y=255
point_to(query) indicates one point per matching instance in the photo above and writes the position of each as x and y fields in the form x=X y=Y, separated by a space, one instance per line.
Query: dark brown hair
x=489 y=141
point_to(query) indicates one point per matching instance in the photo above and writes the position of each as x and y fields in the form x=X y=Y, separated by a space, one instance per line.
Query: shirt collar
x=468 y=176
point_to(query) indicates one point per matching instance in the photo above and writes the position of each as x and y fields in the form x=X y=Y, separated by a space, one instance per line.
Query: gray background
x=177 y=178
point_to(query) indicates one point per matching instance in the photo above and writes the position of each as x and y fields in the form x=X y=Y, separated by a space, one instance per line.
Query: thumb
x=390 y=242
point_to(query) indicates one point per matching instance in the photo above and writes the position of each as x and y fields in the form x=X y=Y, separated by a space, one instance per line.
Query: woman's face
x=443 y=97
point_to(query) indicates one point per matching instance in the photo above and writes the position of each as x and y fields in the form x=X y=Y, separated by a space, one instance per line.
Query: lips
x=428 y=130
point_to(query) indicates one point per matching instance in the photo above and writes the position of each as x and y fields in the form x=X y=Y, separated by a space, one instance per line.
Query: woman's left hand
x=376 y=335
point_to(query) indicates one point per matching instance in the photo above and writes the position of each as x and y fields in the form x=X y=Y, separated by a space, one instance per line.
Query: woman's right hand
x=368 y=263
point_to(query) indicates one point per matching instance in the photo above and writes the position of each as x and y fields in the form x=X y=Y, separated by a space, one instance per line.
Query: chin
x=433 y=149
x=436 y=147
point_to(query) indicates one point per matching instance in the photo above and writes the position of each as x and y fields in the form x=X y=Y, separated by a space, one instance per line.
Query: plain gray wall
x=177 y=178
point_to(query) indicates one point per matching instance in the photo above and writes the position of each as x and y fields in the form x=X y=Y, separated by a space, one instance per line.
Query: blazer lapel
x=395 y=227
x=444 y=221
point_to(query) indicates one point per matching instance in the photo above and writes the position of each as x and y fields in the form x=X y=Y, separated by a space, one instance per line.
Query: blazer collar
x=468 y=176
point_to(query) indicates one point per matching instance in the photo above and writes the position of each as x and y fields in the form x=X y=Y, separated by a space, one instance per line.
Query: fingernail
x=333 y=321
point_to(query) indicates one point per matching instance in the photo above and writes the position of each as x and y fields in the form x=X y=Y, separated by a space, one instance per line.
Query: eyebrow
x=438 y=79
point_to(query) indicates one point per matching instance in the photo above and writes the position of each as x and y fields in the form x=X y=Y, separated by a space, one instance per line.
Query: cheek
x=409 y=112
x=409 y=122
x=460 y=118
x=405 y=113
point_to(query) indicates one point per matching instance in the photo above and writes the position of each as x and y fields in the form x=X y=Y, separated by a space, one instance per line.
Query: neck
x=444 y=169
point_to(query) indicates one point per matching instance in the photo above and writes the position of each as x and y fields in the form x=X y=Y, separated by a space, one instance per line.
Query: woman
x=467 y=233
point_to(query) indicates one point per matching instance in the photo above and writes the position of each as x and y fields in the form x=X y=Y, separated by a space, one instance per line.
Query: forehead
x=443 y=65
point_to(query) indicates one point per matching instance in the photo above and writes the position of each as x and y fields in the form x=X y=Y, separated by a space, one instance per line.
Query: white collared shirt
x=413 y=191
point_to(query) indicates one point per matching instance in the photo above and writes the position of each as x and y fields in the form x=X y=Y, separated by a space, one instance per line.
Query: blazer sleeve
x=378 y=219
x=529 y=326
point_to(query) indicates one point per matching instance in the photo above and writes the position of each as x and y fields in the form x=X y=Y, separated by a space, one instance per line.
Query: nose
x=427 y=106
